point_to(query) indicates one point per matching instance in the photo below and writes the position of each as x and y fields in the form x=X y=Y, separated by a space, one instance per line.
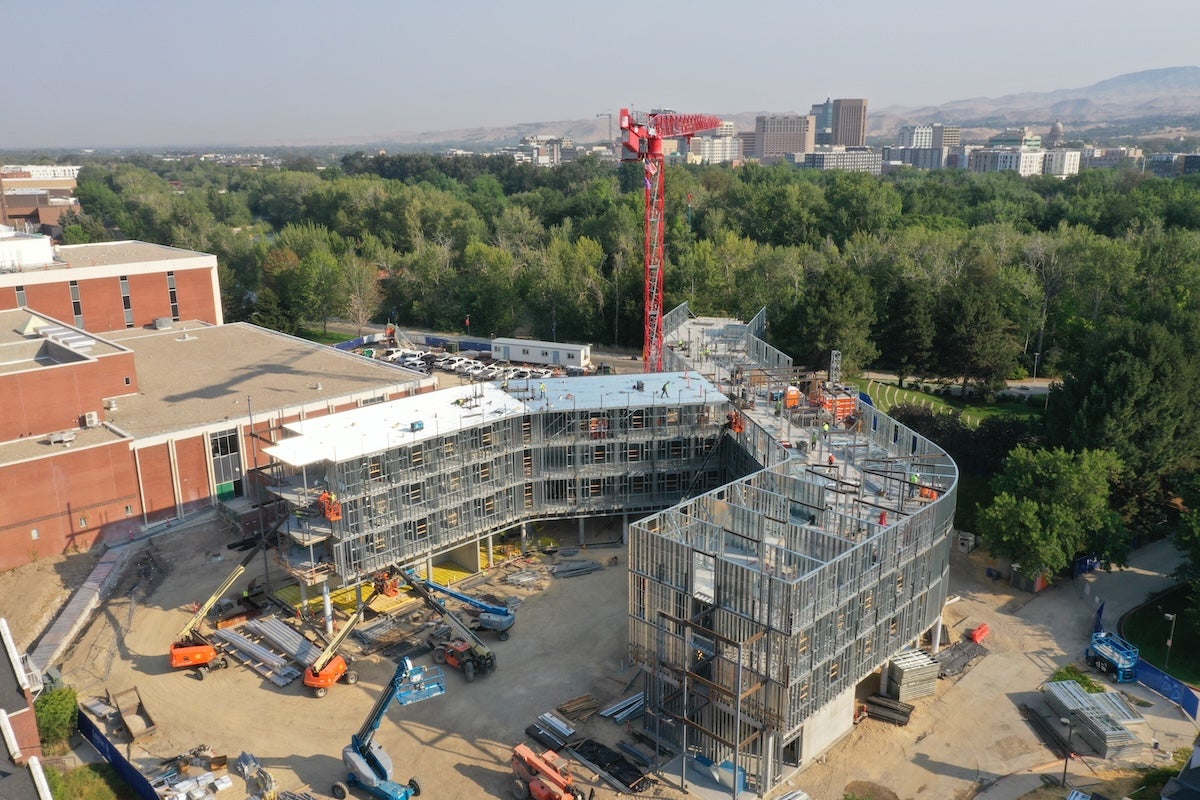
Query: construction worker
x=914 y=480
x=883 y=518
x=825 y=429
x=542 y=388
x=666 y=386
x=831 y=459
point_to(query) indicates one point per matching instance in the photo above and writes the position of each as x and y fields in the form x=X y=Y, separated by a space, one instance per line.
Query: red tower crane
x=643 y=141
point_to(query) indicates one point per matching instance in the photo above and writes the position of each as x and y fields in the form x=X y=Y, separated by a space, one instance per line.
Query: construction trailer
x=549 y=354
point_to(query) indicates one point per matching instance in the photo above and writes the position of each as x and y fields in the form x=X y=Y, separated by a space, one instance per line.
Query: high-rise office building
x=924 y=136
x=776 y=135
x=850 y=122
x=823 y=112
x=946 y=136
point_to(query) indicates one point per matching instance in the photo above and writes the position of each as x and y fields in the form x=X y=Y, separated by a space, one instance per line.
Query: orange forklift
x=542 y=777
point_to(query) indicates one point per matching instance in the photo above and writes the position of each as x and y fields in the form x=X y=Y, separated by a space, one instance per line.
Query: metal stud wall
x=756 y=604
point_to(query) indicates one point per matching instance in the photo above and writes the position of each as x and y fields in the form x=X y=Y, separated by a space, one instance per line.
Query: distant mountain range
x=1162 y=95
x=1137 y=103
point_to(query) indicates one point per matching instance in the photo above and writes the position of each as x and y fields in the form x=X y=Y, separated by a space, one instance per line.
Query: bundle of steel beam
x=286 y=638
x=556 y=726
x=271 y=666
x=1067 y=696
x=623 y=706
x=522 y=578
x=569 y=569
x=544 y=737
x=888 y=710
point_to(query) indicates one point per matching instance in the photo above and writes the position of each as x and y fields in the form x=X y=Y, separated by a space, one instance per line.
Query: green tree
x=56 y=711
x=1051 y=505
x=1133 y=391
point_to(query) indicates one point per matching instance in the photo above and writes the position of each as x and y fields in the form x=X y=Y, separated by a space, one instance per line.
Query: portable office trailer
x=552 y=354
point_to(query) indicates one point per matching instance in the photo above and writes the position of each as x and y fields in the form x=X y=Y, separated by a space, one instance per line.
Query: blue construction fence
x=129 y=773
x=1169 y=687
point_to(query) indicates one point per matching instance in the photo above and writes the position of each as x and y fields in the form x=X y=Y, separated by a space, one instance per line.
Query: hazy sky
x=133 y=72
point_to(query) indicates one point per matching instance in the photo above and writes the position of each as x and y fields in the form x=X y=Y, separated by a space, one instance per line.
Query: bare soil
x=569 y=640
x=31 y=595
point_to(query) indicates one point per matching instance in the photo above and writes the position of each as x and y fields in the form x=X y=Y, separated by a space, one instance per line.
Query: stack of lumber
x=888 y=710
x=579 y=709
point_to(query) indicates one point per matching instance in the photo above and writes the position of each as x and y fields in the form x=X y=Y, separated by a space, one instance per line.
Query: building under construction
x=777 y=578
x=440 y=475
x=756 y=608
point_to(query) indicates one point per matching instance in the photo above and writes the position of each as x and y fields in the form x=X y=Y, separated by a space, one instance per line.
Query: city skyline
x=297 y=73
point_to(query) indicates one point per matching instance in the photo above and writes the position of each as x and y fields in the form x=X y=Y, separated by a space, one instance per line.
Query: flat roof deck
x=128 y=252
x=196 y=374
x=352 y=434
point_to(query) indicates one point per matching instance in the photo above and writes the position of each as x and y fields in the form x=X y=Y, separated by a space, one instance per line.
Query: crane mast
x=643 y=141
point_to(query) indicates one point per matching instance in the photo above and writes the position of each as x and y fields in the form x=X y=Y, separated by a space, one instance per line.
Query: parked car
x=414 y=364
x=449 y=363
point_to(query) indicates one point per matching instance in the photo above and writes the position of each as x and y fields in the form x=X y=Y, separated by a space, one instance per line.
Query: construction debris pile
x=176 y=779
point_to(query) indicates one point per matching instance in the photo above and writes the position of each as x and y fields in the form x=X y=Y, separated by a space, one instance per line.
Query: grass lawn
x=1149 y=629
x=887 y=395
x=315 y=335
x=89 y=782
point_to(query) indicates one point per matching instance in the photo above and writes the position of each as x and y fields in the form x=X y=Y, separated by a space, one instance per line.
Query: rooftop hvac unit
x=91 y=419
x=110 y=404
x=162 y=323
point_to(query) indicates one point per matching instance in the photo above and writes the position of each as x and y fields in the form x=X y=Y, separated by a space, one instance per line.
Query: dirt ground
x=31 y=595
x=569 y=640
x=458 y=745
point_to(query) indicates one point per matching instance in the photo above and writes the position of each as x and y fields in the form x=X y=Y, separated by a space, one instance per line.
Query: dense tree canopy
x=975 y=279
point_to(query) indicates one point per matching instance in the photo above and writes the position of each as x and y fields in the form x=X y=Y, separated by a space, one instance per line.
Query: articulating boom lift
x=644 y=142
x=491 y=617
x=367 y=763
x=331 y=667
x=191 y=648
x=464 y=651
